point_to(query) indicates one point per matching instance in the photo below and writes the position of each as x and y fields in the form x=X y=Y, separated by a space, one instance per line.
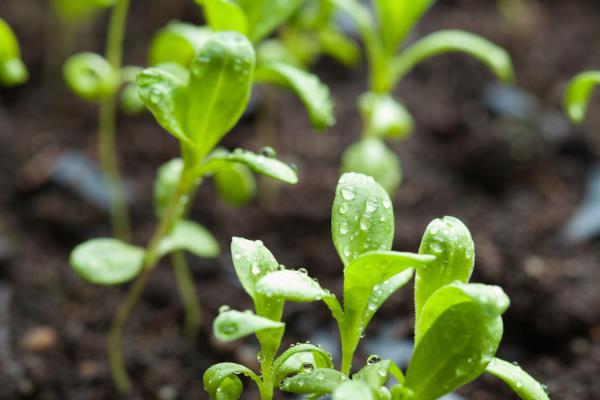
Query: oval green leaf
x=90 y=76
x=191 y=237
x=178 y=43
x=252 y=261
x=232 y=325
x=318 y=381
x=107 y=261
x=290 y=285
x=223 y=378
x=578 y=93
x=519 y=381
x=235 y=184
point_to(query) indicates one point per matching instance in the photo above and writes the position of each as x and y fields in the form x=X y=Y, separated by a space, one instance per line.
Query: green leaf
x=519 y=381
x=165 y=186
x=461 y=329
x=339 y=47
x=362 y=218
x=78 y=11
x=191 y=237
x=282 y=367
x=252 y=261
x=90 y=76
x=178 y=43
x=353 y=390
x=232 y=325
x=107 y=261
x=223 y=378
x=264 y=16
x=375 y=373
x=261 y=164
x=370 y=279
x=235 y=184
x=131 y=103
x=451 y=41
x=219 y=89
x=312 y=92
x=372 y=157
x=320 y=381
x=397 y=18
x=225 y=15
x=449 y=240
x=12 y=70
x=578 y=94
x=384 y=116
x=290 y=285
x=163 y=90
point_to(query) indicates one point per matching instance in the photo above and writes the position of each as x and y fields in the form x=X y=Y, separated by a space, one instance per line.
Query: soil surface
x=514 y=183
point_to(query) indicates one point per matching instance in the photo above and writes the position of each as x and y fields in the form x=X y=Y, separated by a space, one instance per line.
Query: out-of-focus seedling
x=98 y=78
x=199 y=107
x=458 y=324
x=578 y=94
x=179 y=42
x=12 y=69
x=390 y=58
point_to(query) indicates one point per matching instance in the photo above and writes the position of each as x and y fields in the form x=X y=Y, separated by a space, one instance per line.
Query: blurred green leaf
x=225 y=15
x=235 y=184
x=90 y=76
x=385 y=117
x=578 y=94
x=12 y=70
x=178 y=43
x=191 y=237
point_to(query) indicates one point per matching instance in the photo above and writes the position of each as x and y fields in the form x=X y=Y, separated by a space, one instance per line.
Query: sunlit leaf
x=281 y=367
x=353 y=390
x=362 y=217
x=519 y=381
x=191 y=237
x=397 y=18
x=264 y=16
x=178 y=43
x=320 y=380
x=232 y=325
x=225 y=15
x=312 y=92
x=578 y=94
x=12 y=70
x=373 y=158
x=252 y=261
x=107 y=261
x=375 y=373
x=290 y=285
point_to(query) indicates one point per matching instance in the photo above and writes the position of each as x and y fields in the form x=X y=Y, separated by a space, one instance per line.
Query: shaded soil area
x=514 y=183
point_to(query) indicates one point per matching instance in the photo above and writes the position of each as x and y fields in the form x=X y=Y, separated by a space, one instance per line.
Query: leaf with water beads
x=449 y=240
x=191 y=237
x=281 y=367
x=232 y=325
x=264 y=164
x=318 y=381
x=178 y=43
x=362 y=218
x=107 y=261
x=252 y=261
x=353 y=390
x=375 y=373
x=315 y=96
x=519 y=381
x=291 y=285
x=223 y=378
x=459 y=333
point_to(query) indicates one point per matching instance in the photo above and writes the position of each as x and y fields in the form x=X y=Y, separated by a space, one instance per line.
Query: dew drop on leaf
x=224 y=308
x=343 y=228
x=348 y=193
x=307 y=367
x=268 y=151
x=373 y=359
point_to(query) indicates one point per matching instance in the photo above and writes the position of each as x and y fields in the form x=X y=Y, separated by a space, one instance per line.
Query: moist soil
x=512 y=184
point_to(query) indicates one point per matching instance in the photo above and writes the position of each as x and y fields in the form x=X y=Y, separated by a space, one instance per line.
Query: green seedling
x=390 y=58
x=98 y=78
x=198 y=107
x=12 y=69
x=578 y=94
x=179 y=42
x=458 y=324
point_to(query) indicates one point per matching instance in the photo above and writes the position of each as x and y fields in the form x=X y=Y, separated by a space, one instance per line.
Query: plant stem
x=107 y=126
x=115 y=337
x=187 y=291
x=349 y=344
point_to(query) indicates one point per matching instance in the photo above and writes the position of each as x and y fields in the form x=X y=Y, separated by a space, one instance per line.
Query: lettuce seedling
x=578 y=94
x=384 y=35
x=98 y=78
x=198 y=107
x=179 y=42
x=12 y=69
x=458 y=324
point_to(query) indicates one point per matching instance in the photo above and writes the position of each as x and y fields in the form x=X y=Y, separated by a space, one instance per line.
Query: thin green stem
x=107 y=126
x=187 y=291
x=115 y=338
x=348 y=349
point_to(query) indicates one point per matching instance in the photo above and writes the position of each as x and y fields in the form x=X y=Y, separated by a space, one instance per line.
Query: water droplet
x=348 y=193
x=343 y=208
x=386 y=203
x=268 y=151
x=344 y=228
x=303 y=271
x=307 y=367
x=373 y=359
x=347 y=251
x=371 y=205
x=255 y=269
x=260 y=357
x=365 y=223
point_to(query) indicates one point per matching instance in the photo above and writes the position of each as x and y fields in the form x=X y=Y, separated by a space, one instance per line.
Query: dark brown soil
x=462 y=161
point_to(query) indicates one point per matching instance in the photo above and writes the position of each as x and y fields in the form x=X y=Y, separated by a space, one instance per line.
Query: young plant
x=12 y=69
x=179 y=42
x=390 y=59
x=198 y=107
x=98 y=78
x=578 y=94
x=458 y=324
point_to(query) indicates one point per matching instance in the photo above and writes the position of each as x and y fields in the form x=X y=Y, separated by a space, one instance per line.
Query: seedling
x=578 y=94
x=98 y=78
x=458 y=324
x=12 y=69
x=390 y=59
x=179 y=42
x=198 y=107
